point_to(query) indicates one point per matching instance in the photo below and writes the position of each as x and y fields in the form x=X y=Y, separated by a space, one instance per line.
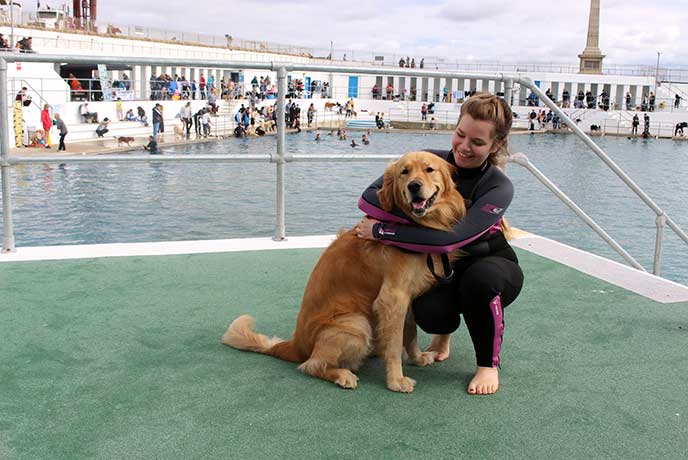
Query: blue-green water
x=105 y=203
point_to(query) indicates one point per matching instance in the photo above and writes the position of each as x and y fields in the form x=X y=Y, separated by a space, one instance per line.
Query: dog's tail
x=240 y=335
x=506 y=230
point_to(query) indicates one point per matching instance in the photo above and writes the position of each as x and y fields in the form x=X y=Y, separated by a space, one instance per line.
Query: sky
x=527 y=31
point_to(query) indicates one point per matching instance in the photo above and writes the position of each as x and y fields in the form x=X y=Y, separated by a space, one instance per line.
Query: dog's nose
x=414 y=186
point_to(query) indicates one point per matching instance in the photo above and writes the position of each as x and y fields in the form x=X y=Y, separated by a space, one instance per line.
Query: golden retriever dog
x=179 y=133
x=358 y=295
x=330 y=106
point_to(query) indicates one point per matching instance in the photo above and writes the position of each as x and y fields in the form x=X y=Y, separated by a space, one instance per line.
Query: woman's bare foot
x=485 y=381
x=440 y=345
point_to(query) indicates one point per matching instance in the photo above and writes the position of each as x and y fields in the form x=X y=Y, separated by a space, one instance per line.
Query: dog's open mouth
x=421 y=205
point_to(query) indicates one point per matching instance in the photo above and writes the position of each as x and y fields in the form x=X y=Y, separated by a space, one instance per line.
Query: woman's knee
x=491 y=277
x=436 y=311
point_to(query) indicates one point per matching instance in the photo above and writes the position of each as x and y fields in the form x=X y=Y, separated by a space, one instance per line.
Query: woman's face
x=472 y=142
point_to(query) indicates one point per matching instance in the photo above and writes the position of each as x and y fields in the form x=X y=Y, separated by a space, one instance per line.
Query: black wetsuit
x=484 y=282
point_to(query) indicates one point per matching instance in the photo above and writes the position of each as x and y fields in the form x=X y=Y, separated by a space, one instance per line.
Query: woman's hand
x=364 y=229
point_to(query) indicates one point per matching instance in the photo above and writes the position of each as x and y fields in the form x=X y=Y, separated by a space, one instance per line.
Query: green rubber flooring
x=119 y=358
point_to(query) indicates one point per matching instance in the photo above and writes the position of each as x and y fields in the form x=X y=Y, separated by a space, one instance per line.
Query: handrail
x=521 y=159
x=40 y=96
x=281 y=158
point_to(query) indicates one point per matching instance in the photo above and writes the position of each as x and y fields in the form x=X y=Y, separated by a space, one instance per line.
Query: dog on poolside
x=178 y=133
x=124 y=140
x=331 y=105
x=357 y=299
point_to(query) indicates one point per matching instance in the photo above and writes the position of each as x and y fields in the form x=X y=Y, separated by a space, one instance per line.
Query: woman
x=489 y=278
x=62 y=128
x=47 y=123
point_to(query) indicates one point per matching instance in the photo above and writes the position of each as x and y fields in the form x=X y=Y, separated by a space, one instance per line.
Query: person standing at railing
x=185 y=116
x=652 y=101
x=46 y=122
x=310 y=113
x=677 y=101
x=157 y=119
x=62 y=129
x=201 y=85
x=424 y=112
x=628 y=100
x=488 y=277
x=634 y=125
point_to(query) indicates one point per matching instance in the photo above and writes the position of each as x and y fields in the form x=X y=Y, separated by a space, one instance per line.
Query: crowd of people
x=411 y=63
x=25 y=45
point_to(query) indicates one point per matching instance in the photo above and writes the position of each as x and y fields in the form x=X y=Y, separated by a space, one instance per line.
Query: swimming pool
x=105 y=203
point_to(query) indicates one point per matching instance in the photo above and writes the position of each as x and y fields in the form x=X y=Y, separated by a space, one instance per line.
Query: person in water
x=489 y=278
x=152 y=145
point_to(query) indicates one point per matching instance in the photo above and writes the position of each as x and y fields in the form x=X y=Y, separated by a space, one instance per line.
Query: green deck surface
x=119 y=358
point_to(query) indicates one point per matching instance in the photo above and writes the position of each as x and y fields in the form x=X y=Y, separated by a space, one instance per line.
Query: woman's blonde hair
x=488 y=107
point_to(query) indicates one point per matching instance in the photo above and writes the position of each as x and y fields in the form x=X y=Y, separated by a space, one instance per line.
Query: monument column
x=591 y=58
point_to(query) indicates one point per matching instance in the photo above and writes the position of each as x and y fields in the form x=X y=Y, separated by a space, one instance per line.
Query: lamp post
x=657 y=72
x=11 y=4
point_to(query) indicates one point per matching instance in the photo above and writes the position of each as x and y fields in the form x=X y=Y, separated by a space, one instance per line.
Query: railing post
x=508 y=91
x=280 y=227
x=7 y=227
x=657 y=266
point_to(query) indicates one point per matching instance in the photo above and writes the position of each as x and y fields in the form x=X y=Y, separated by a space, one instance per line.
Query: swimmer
x=317 y=137
x=353 y=143
x=365 y=140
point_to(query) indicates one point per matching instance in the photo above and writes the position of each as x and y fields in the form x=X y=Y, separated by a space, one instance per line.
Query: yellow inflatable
x=18 y=123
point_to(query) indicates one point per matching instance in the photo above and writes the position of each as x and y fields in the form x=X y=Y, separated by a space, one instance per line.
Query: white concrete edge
x=164 y=248
x=645 y=284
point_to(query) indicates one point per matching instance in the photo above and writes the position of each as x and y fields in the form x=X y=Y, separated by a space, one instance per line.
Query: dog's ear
x=457 y=207
x=386 y=193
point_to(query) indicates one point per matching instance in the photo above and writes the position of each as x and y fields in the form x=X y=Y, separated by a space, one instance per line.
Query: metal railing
x=281 y=158
x=656 y=130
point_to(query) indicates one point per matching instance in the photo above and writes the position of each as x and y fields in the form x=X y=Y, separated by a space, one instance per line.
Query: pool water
x=106 y=203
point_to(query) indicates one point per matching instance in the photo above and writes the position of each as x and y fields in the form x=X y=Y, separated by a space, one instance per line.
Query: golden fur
x=358 y=295
x=179 y=133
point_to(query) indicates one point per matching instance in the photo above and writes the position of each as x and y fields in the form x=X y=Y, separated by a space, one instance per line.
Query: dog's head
x=420 y=183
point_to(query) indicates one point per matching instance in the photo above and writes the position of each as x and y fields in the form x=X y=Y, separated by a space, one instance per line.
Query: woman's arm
x=485 y=214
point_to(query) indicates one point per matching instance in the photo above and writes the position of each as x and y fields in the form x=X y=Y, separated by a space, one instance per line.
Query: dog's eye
x=429 y=169
x=404 y=171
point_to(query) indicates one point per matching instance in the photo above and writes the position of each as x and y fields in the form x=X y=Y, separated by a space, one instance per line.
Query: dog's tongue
x=419 y=204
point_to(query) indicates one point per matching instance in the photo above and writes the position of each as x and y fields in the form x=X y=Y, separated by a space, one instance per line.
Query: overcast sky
x=632 y=31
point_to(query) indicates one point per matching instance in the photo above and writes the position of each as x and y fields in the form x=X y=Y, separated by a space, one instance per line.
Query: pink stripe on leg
x=498 y=320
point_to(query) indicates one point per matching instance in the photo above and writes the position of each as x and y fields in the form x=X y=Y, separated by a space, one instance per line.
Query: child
x=118 y=108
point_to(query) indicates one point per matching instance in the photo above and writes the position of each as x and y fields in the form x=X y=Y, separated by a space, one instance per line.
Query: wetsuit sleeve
x=370 y=204
x=485 y=214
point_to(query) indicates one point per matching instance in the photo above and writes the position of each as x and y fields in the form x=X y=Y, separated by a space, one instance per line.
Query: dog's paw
x=402 y=385
x=424 y=358
x=347 y=379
